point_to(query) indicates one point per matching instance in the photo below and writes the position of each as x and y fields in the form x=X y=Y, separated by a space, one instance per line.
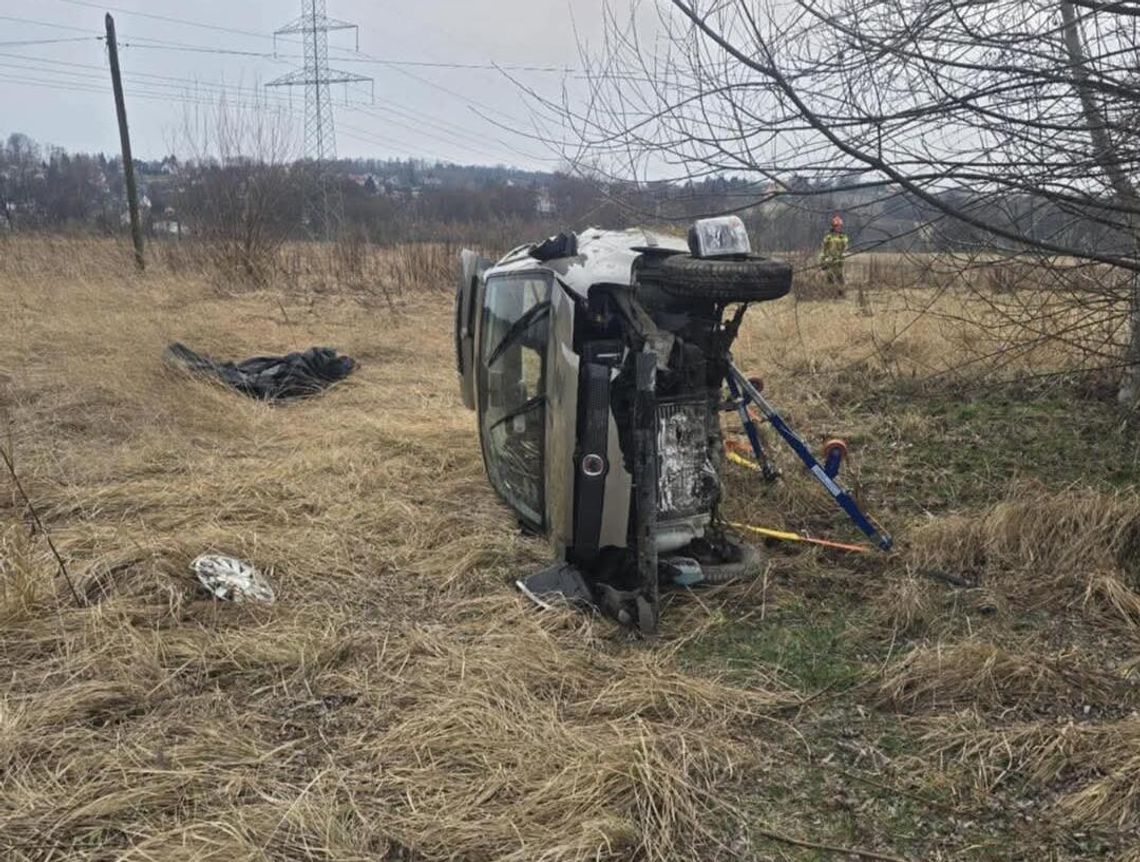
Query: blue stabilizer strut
x=767 y=469
x=737 y=382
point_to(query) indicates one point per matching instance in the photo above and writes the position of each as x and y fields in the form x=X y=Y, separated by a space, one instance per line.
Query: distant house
x=543 y=205
x=368 y=182
x=169 y=223
x=144 y=208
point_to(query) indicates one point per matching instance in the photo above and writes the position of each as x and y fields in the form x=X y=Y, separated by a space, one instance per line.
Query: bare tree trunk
x=1107 y=156
x=1129 y=394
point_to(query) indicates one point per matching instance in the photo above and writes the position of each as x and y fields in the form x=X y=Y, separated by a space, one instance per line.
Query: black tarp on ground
x=270 y=378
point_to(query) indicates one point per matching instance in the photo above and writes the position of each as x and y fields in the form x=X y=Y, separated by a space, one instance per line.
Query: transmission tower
x=314 y=26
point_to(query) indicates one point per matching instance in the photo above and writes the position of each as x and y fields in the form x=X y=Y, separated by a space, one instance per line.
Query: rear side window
x=512 y=388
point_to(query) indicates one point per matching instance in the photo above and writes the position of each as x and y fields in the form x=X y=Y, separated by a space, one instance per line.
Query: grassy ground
x=972 y=696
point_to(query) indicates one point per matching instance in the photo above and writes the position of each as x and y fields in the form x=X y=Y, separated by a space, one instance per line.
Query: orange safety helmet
x=837 y=222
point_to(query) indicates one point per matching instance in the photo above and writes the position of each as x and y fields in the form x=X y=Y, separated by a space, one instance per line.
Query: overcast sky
x=58 y=92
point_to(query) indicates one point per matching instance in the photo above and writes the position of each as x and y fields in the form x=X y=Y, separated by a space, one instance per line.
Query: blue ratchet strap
x=841 y=495
x=769 y=472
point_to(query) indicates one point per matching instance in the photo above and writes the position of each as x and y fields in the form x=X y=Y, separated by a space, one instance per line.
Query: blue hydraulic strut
x=738 y=383
x=767 y=469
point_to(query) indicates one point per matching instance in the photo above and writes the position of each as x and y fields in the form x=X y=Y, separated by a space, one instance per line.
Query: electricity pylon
x=314 y=26
x=322 y=207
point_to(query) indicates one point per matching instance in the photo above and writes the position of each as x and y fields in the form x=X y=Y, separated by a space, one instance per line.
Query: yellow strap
x=767 y=531
x=783 y=535
x=796 y=537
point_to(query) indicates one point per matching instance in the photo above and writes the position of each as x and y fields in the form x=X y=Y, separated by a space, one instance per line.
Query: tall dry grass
x=398 y=701
x=1095 y=764
x=350 y=265
x=1042 y=549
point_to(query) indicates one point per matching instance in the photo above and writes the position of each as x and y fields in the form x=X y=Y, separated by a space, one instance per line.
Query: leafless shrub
x=1036 y=307
x=238 y=186
x=1007 y=129
x=418 y=262
x=351 y=253
x=893 y=272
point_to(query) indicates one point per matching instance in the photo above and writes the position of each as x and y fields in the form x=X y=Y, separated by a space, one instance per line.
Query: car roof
x=604 y=257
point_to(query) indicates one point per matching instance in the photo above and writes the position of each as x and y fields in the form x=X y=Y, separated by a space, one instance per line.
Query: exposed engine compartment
x=689 y=341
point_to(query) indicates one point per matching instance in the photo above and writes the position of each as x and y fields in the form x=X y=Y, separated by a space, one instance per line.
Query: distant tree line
x=248 y=200
x=46 y=187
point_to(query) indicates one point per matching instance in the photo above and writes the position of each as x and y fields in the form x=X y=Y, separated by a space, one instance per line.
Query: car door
x=471 y=269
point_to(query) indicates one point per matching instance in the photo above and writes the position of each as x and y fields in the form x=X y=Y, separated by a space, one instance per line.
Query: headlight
x=719 y=237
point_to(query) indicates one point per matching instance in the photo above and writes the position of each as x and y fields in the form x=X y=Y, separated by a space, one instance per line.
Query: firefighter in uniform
x=831 y=254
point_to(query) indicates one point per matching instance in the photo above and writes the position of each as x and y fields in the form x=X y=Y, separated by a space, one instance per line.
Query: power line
x=261 y=101
x=149 y=94
x=365 y=60
x=50 y=24
x=99 y=70
x=146 y=91
x=410 y=150
x=448 y=138
x=360 y=55
x=254 y=97
x=149 y=90
x=102 y=7
x=27 y=42
x=136 y=43
x=461 y=137
x=430 y=64
x=160 y=43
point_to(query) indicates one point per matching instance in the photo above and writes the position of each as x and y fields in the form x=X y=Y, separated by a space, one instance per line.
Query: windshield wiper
x=525 y=407
x=520 y=326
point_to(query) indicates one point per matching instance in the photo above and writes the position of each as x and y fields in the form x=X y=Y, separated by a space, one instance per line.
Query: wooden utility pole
x=125 y=139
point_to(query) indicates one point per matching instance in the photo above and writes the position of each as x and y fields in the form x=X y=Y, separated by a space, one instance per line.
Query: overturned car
x=597 y=365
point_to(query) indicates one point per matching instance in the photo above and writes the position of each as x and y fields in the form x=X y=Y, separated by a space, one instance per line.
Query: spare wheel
x=738 y=279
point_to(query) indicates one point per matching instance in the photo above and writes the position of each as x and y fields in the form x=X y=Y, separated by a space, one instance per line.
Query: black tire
x=742 y=279
x=726 y=559
x=745 y=568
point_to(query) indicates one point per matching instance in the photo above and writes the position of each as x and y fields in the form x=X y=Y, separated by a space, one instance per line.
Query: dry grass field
x=972 y=696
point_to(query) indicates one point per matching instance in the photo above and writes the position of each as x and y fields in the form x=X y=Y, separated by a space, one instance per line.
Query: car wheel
x=745 y=279
x=725 y=558
x=744 y=564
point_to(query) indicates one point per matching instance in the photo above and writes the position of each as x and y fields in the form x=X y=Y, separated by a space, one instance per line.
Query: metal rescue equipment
x=827 y=474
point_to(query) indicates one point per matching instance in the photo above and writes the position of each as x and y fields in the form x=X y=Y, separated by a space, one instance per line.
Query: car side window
x=512 y=388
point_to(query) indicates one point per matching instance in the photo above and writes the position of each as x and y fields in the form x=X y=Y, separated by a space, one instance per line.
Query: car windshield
x=512 y=390
x=520 y=329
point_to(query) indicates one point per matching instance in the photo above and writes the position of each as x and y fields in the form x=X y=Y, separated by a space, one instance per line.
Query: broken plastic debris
x=231 y=580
